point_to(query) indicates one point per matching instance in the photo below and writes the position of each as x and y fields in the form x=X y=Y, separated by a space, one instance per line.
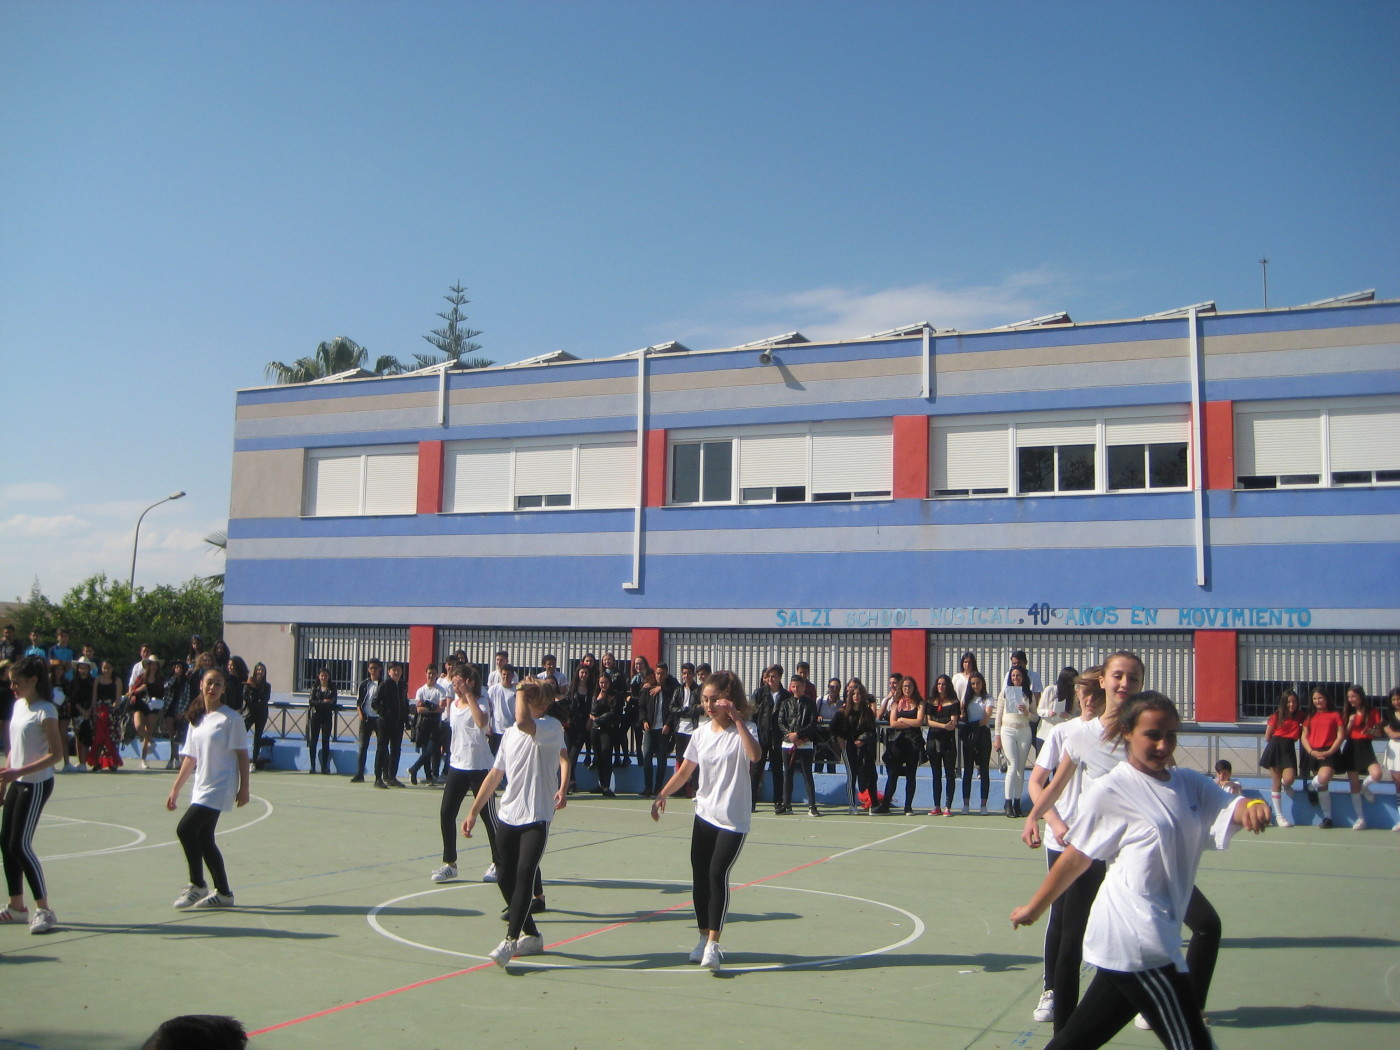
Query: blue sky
x=188 y=191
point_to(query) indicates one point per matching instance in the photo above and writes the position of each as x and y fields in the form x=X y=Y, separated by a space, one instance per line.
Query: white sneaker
x=698 y=952
x=44 y=920
x=12 y=915
x=1142 y=1023
x=1045 y=1009
x=215 y=900
x=490 y=875
x=713 y=959
x=503 y=953
x=1283 y=821
x=1397 y=826
x=447 y=871
x=529 y=944
x=190 y=896
x=1359 y=824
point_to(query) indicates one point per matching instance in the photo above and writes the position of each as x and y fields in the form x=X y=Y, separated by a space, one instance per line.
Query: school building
x=1219 y=491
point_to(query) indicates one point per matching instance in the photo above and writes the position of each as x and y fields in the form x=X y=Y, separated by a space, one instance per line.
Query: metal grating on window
x=1369 y=660
x=527 y=646
x=345 y=650
x=1170 y=658
x=831 y=654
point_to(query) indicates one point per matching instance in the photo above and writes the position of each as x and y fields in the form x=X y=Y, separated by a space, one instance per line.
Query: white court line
x=138 y=845
x=75 y=821
x=372 y=917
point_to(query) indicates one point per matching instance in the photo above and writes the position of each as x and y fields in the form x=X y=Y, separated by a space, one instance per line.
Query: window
x=1352 y=442
x=483 y=476
x=1040 y=454
x=702 y=472
x=796 y=464
x=361 y=481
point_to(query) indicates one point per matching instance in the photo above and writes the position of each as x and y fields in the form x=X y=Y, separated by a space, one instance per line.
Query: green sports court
x=842 y=931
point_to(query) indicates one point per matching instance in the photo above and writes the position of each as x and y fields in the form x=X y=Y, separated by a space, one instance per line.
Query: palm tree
x=341 y=354
x=218 y=544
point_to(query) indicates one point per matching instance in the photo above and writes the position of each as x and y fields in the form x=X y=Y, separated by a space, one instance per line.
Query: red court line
x=487 y=965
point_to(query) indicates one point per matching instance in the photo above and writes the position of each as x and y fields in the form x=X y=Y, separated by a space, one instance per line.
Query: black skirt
x=1279 y=754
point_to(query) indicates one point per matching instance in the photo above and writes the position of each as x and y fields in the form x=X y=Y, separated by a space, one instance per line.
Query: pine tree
x=454 y=338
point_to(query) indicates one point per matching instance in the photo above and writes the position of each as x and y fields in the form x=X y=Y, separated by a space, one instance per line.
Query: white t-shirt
x=1052 y=749
x=531 y=766
x=1151 y=833
x=29 y=741
x=470 y=748
x=725 y=795
x=214 y=745
x=1093 y=755
x=430 y=695
x=500 y=703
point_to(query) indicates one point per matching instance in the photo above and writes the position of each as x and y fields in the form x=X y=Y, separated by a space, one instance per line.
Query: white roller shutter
x=1364 y=438
x=974 y=457
x=607 y=475
x=775 y=459
x=544 y=471
x=391 y=483
x=852 y=461
x=478 y=479
x=1069 y=432
x=333 y=484
x=1147 y=431
x=1269 y=444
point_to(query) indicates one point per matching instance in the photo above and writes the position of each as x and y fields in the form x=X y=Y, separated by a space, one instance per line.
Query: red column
x=909 y=654
x=1218 y=444
x=646 y=641
x=654 y=469
x=430 y=462
x=422 y=651
x=911 y=457
x=1217 y=676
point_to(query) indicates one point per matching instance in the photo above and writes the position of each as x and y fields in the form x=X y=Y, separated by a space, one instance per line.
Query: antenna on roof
x=1264 y=263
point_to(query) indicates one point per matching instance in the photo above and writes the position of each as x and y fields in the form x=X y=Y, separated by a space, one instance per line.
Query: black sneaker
x=1326 y=822
x=358 y=778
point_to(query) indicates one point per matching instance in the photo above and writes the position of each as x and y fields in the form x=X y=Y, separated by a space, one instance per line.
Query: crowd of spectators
x=105 y=704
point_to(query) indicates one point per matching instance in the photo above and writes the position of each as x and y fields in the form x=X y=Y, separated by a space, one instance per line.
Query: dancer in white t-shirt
x=721 y=750
x=216 y=755
x=534 y=761
x=36 y=746
x=1150 y=822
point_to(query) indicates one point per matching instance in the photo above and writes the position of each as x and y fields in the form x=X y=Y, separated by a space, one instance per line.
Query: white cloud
x=55 y=526
x=837 y=312
x=31 y=492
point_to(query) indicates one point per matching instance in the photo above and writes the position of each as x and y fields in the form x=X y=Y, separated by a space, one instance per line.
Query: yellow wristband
x=1254 y=802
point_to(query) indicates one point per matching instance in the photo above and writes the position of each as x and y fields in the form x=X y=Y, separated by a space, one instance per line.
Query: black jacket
x=797 y=714
x=765 y=704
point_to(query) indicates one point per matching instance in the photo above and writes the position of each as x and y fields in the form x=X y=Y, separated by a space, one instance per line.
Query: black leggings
x=943 y=757
x=23 y=804
x=318 y=727
x=713 y=852
x=454 y=790
x=977 y=754
x=1164 y=996
x=860 y=772
x=196 y=834
x=1201 y=919
x=519 y=848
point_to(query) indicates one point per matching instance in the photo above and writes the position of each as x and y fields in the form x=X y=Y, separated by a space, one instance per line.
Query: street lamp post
x=131 y=583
